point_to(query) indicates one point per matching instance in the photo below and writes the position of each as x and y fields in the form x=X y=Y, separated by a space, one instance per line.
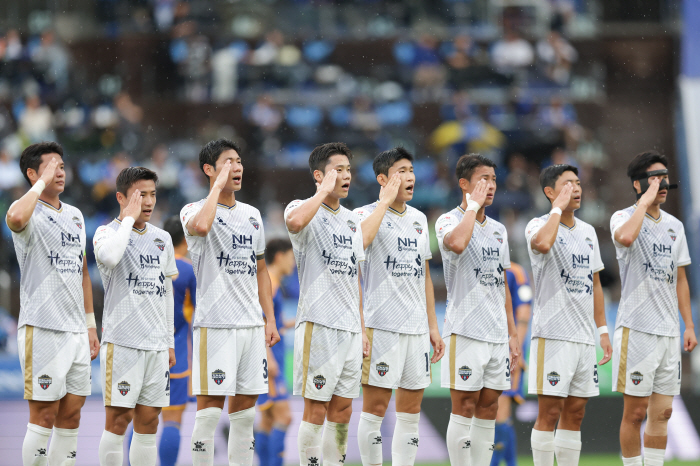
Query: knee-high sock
x=309 y=443
x=567 y=447
x=633 y=461
x=64 y=447
x=34 y=446
x=202 y=443
x=459 y=440
x=654 y=456
x=404 y=445
x=335 y=443
x=542 y=444
x=143 y=451
x=241 y=445
x=111 y=451
x=482 y=434
x=276 y=448
x=262 y=446
x=369 y=439
x=169 y=446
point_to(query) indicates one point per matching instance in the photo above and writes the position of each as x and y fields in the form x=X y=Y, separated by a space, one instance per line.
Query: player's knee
x=284 y=418
x=466 y=407
x=667 y=414
x=636 y=415
x=69 y=420
x=47 y=418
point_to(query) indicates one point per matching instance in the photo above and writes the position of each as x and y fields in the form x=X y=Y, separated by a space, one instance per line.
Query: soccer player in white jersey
x=56 y=334
x=329 y=340
x=568 y=306
x=136 y=261
x=399 y=311
x=481 y=339
x=226 y=241
x=652 y=252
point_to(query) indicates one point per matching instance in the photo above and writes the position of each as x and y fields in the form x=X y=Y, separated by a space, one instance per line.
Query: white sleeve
x=362 y=213
x=357 y=243
x=597 y=260
x=506 y=250
x=297 y=239
x=427 y=253
x=445 y=224
x=531 y=230
x=110 y=245
x=26 y=232
x=186 y=214
x=683 y=254
x=171 y=266
x=616 y=221
x=260 y=247
x=170 y=311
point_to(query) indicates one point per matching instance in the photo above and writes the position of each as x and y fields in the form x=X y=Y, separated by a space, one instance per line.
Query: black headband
x=649 y=174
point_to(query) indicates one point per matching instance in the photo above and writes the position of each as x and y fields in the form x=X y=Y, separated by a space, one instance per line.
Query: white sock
x=64 y=447
x=143 y=450
x=202 y=444
x=111 y=451
x=542 y=444
x=241 y=445
x=654 y=456
x=335 y=443
x=309 y=443
x=34 y=446
x=369 y=439
x=404 y=445
x=482 y=434
x=567 y=447
x=633 y=461
x=459 y=440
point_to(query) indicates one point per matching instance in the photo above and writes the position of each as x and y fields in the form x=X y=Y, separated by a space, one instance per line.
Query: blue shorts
x=180 y=392
x=277 y=392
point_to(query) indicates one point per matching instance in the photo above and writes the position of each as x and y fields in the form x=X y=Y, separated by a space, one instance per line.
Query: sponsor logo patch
x=254 y=223
x=199 y=446
x=77 y=222
x=589 y=242
x=159 y=243
x=418 y=227
x=352 y=226
x=672 y=234
x=498 y=237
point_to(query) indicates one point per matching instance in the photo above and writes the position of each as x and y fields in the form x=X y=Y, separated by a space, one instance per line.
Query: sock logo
x=40 y=452
x=313 y=461
x=218 y=376
x=377 y=440
x=467 y=444
x=319 y=382
x=123 y=387
x=199 y=446
x=553 y=378
x=413 y=442
x=465 y=372
x=44 y=381
x=342 y=460
x=72 y=454
x=382 y=368
x=636 y=377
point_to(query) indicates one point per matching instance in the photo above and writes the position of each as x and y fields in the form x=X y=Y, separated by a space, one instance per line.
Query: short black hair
x=641 y=162
x=385 y=160
x=470 y=162
x=212 y=150
x=130 y=175
x=320 y=155
x=274 y=246
x=31 y=156
x=550 y=175
x=174 y=228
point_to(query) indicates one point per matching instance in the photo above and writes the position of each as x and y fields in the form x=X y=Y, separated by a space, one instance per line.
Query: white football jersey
x=563 y=303
x=475 y=280
x=135 y=297
x=393 y=273
x=50 y=253
x=328 y=252
x=225 y=263
x=648 y=272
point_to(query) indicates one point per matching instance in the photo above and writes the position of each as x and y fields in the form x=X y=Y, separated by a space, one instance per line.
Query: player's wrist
x=473 y=206
x=603 y=330
x=38 y=187
x=556 y=210
x=90 y=320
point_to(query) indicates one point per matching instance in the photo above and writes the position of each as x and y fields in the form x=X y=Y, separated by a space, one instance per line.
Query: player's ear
x=549 y=192
x=318 y=176
x=636 y=186
x=120 y=198
x=33 y=175
x=463 y=184
x=209 y=170
x=382 y=179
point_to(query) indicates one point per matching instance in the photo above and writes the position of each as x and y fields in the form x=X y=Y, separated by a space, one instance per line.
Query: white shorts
x=53 y=363
x=229 y=361
x=644 y=363
x=474 y=364
x=397 y=360
x=327 y=362
x=562 y=368
x=133 y=376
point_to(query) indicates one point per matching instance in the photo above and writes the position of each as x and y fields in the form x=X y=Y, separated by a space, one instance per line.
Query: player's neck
x=568 y=219
x=50 y=199
x=332 y=202
x=654 y=210
x=398 y=206
x=227 y=198
x=181 y=250
x=480 y=215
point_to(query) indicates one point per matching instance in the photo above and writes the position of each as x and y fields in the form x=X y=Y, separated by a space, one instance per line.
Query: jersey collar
x=646 y=214
x=396 y=212
x=228 y=207
x=139 y=231
x=333 y=211
x=46 y=204
x=477 y=222
x=567 y=227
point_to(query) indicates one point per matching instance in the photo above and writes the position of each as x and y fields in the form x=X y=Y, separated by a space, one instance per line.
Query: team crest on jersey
x=319 y=382
x=553 y=378
x=160 y=243
x=123 y=387
x=418 y=227
x=498 y=237
x=254 y=223
x=77 y=222
x=44 y=381
x=382 y=368
x=636 y=377
x=352 y=226
x=589 y=242
x=465 y=372
x=218 y=376
x=672 y=234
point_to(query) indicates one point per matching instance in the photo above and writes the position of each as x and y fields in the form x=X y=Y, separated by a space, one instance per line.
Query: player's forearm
x=362 y=314
x=265 y=292
x=430 y=299
x=370 y=225
x=512 y=332
x=627 y=233
x=87 y=289
x=544 y=239
x=683 y=293
x=302 y=215
x=200 y=224
x=522 y=321
x=111 y=250
x=458 y=239
x=170 y=311
x=598 y=302
x=21 y=211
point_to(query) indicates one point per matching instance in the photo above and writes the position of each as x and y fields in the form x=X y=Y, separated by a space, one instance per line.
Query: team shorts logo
x=44 y=381
x=123 y=387
x=160 y=243
x=77 y=222
x=465 y=372
x=418 y=227
x=319 y=382
x=382 y=368
x=352 y=226
x=589 y=242
x=672 y=234
x=218 y=376
x=636 y=377
x=553 y=378
x=254 y=223
x=498 y=237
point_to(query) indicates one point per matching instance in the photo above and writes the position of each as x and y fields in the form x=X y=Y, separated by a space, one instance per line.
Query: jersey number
x=167 y=383
x=595 y=373
x=264 y=368
x=427 y=363
x=507 y=367
x=679 y=370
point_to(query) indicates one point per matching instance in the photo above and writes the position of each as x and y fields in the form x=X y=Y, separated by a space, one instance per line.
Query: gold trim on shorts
x=28 y=361
x=308 y=331
x=540 y=366
x=108 y=374
x=367 y=362
x=453 y=360
x=622 y=369
x=203 y=381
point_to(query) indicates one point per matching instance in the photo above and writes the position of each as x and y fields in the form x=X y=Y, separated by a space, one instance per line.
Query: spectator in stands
x=11 y=49
x=463 y=52
x=512 y=52
x=265 y=115
x=363 y=117
x=36 y=121
x=168 y=170
x=52 y=59
x=427 y=65
x=10 y=174
x=558 y=55
x=267 y=52
x=558 y=114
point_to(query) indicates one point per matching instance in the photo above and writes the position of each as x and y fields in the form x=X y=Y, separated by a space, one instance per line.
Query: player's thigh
x=636 y=358
x=584 y=381
x=146 y=419
x=551 y=367
x=252 y=377
x=409 y=401
x=69 y=407
x=385 y=363
x=667 y=379
x=375 y=400
x=463 y=364
x=350 y=356
x=45 y=358
x=504 y=408
x=155 y=391
x=572 y=413
x=339 y=409
x=464 y=402
x=497 y=371
x=415 y=352
x=122 y=372
x=317 y=362
x=214 y=361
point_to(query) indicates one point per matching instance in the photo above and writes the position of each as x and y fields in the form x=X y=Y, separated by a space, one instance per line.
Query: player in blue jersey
x=276 y=415
x=521 y=296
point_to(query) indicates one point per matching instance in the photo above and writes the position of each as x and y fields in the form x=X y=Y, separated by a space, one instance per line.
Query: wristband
x=602 y=330
x=38 y=187
x=555 y=210
x=473 y=205
x=90 y=320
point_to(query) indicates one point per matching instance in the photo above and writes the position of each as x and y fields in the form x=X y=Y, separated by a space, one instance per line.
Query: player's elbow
x=541 y=248
x=294 y=224
x=200 y=229
x=624 y=240
x=14 y=220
